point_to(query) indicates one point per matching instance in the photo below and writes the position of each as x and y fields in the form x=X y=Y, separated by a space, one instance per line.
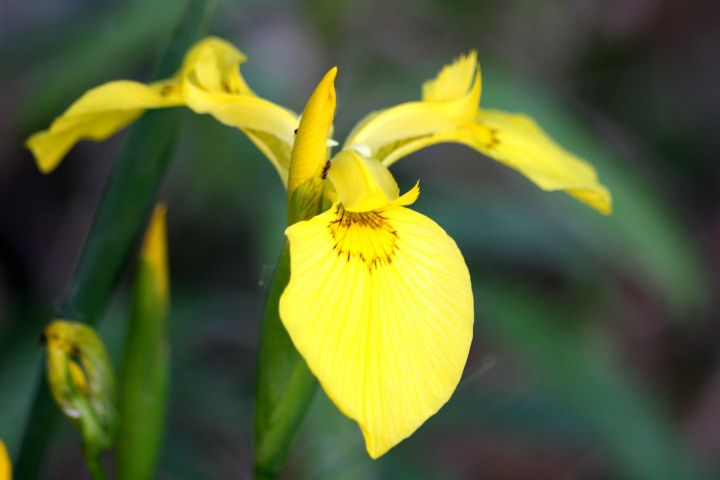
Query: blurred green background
x=596 y=351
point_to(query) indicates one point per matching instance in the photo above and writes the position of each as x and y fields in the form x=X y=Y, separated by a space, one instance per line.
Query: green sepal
x=304 y=201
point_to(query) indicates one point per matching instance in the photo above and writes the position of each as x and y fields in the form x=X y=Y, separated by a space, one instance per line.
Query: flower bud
x=81 y=381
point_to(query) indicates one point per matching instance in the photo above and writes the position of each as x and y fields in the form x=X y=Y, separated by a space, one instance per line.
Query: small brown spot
x=166 y=90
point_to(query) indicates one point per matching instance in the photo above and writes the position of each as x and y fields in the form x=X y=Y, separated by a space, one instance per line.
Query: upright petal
x=449 y=100
x=380 y=306
x=98 y=114
x=310 y=150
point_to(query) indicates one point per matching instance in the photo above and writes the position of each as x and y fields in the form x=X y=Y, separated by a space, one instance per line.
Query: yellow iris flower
x=379 y=301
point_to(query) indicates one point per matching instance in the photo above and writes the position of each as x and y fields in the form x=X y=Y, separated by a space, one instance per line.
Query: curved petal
x=215 y=66
x=518 y=142
x=380 y=306
x=310 y=150
x=361 y=183
x=98 y=114
x=449 y=100
x=211 y=83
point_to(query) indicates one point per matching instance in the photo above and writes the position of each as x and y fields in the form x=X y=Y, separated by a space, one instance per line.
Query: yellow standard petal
x=98 y=114
x=310 y=150
x=5 y=465
x=380 y=306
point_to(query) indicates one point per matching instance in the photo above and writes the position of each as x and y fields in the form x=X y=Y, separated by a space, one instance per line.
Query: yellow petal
x=454 y=80
x=211 y=83
x=214 y=65
x=380 y=306
x=310 y=150
x=361 y=183
x=5 y=465
x=449 y=100
x=98 y=114
x=518 y=142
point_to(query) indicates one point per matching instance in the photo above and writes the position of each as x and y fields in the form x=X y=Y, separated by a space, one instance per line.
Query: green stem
x=285 y=384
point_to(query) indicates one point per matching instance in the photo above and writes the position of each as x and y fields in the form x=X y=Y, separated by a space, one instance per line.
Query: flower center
x=363 y=236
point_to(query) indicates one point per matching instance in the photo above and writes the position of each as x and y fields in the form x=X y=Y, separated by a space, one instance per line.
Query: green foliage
x=128 y=197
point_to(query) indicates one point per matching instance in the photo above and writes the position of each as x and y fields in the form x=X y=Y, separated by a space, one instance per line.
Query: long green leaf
x=128 y=197
x=144 y=376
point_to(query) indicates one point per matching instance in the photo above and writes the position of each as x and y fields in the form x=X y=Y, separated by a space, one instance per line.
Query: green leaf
x=285 y=385
x=128 y=197
x=144 y=379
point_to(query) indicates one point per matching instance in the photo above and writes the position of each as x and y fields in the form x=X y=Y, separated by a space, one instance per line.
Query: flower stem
x=285 y=384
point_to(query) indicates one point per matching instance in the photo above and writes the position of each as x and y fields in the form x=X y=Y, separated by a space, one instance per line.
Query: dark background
x=596 y=343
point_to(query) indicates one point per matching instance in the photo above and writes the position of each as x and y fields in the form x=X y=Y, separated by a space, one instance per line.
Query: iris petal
x=380 y=306
x=97 y=115
x=209 y=81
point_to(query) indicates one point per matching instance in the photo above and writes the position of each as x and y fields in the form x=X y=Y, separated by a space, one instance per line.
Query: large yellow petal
x=98 y=114
x=449 y=100
x=380 y=306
